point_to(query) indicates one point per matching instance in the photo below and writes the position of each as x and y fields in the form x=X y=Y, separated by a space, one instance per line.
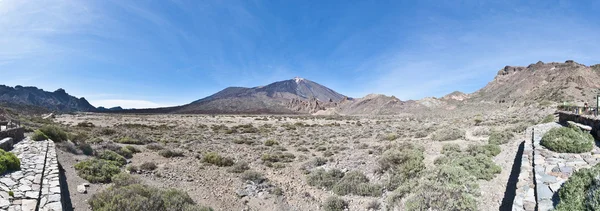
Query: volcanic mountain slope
x=297 y=95
x=539 y=82
x=58 y=100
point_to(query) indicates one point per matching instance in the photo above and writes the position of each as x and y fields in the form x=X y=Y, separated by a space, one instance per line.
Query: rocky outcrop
x=58 y=100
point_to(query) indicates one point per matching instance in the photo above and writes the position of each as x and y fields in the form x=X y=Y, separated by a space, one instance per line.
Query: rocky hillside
x=297 y=95
x=542 y=83
x=58 y=100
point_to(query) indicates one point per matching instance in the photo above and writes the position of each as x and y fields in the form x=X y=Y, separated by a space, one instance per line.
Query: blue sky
x=160 y=53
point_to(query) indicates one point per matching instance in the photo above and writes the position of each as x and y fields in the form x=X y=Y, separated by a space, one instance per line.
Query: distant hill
x=542 y=82
x=28 y=97
x=297 y=95
x=117 y=108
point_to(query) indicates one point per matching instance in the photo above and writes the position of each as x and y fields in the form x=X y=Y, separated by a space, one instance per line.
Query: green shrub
x=8 y=162
x=547 y=119
x=216 y=159
x=580 y=192
x=334 y=203
x=519 y=128
x=129 y=140
x=253 y=176
x=497 y=137
x=406 y=161
x=324 y=179
x=568 y=139
x=38 y=135
x=489 y=150
x=124 y=152
x=54 y=133
x=107 y=131
x=148 y=166
x=444 y=188
x=449 y=149
x=480 y=166
x=124 y=179
x=97 y=170
x=112 y=156
x=133 y=149
x=447 y=134
x=170 y=153
x=142 y=197
x=356 y=183
x=271 y=142
x=391 y=137
x=402 y=163
x=278 y=157
x=79 y=138
x=239 y=167
x=86 y=149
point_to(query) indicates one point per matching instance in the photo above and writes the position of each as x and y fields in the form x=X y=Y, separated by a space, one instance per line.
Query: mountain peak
x=298 y=79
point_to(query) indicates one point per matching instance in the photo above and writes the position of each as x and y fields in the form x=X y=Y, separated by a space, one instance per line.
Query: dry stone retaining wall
x=36 y=185
x=16 y=133
x=543 y=172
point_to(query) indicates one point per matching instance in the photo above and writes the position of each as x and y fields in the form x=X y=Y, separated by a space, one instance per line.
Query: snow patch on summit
x=298 y=79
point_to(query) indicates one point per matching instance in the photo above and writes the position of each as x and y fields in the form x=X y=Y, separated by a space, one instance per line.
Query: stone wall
x=16 y=133
x=543 y=172
x=36 y=185
x=589 y=120
x=525 y=194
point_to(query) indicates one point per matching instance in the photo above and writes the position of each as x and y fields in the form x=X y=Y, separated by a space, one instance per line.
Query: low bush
x=54 y=133
x=449 y=149
x=8 y=162
x=568 y=139
x=38 y=135
x=271 y=142
x=547 y=119
x=405 y=161
x=129 y=194
x=129 y=140
x=278 y=157
x=481 y=131
x=133 y=149
x=97 y=170
x=86 y=149
x=480 y=166
x=170 y=153
x=448 y=134
x=124 y=179
x=334 y=203
x=489 y=150
x=148 y=166
x=323 y=178
x=356 y=183
x=112 y=156
x=239 y=167
x=217 y=160
x=154 y=147
x=402 y=164
x=580 y=192
x=85 y=124
x=444 y=188
x=497 y=137
x=391 y=137
x=253 y=176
